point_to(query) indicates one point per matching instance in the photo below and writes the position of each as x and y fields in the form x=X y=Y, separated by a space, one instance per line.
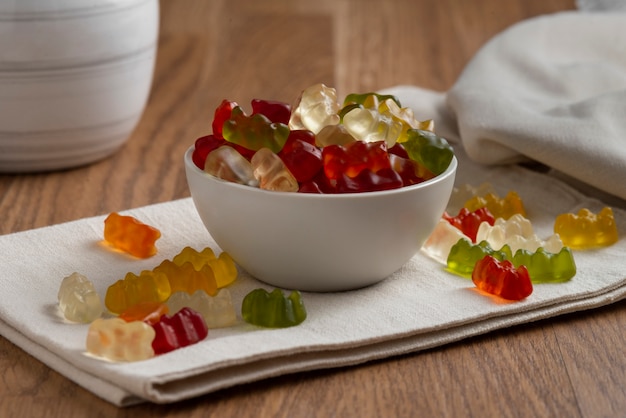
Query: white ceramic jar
x=75 y=76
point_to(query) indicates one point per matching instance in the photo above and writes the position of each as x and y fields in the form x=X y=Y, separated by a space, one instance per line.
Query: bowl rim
x=450 y=170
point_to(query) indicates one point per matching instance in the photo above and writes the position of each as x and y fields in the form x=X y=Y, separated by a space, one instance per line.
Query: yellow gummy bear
x=148 y=286
x=224 y=267
x=504 y=208
x=405 y=117
x=587 y=230
x=186 y=278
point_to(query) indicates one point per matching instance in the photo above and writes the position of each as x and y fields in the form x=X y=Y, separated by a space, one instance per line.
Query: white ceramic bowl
x=313 y=242
x=75 y=76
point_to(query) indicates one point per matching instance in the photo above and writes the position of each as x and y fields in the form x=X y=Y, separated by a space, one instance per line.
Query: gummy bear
x=429 y=150
x=203 y=147
x=501 y=278
x=404 y=116
x=148 y=286
x=316 y=107
x=463 y=256
x=369 y=125
x=130 y=235
x=318 y=184
x=301 y=157
x=372 y=117
x=298 y=135
x=273 y=310
x=185 y=278
x=517 y=232
x=546 y=267
x=370 y=99
x=218 y=311
x=182 y=329
x=228 y=164
x=118 y=340
x=272 y=173
x=78 y=299
x=197 y=258
x=278 y=112
x=333 y=135
x=223 y=266
x=506 y=207
x=465 y=192
x=222 y=114
x=441 y=240
x=586 y=229
x=410 y=171
x=148 y=312
x=369 y=181
x=352 y=158
x=254 y=132
x=469 y=221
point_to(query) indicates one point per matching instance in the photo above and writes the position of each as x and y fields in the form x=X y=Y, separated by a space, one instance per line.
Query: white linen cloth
x=419 y=307
x=550 y=89
x=510 y=102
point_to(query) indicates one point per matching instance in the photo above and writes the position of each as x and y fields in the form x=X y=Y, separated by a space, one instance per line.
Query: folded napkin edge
x=171 y=390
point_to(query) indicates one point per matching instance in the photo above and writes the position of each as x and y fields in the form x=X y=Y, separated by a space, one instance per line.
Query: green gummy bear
x=545 y=267
x=464 y=255
x=273 y=310
x=359 y=98
x=347 y=108
x=428 y=149
x=254 y=132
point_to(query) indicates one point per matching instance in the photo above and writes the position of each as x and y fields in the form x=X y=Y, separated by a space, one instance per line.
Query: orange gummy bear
x=148 y=312
x=130 y=235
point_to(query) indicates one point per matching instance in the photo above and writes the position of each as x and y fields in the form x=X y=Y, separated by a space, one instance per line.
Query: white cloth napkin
x=601 y=5
x=550 y=89
x=419 y=307
x=531 y=92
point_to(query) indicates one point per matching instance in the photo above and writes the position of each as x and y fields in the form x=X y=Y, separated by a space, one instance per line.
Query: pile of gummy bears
x=367 y=143
x=492 y=241
x=192 y=286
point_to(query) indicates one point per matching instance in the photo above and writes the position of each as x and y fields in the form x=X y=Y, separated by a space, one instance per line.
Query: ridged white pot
x=75 y=76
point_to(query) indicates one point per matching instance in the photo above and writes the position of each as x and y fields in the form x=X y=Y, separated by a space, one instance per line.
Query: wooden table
x=209 y=50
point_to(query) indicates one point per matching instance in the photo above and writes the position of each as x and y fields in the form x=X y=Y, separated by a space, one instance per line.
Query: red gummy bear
x=277 y=112
x=468 y=222
x=318 y=184
x=368 y=181
x=222 y=114
x=353 y=158
x=184 y=328
x=203 y=146
x=301 y=157
x=501 y=278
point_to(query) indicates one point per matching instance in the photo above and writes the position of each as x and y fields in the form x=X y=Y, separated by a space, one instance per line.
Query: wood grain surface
x=570 y=366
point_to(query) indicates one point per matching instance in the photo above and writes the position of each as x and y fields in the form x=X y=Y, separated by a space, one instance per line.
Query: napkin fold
x=526 y=95
x=551 y=89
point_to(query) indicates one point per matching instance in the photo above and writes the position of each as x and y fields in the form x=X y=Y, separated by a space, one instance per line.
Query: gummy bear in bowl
x=324 y=197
